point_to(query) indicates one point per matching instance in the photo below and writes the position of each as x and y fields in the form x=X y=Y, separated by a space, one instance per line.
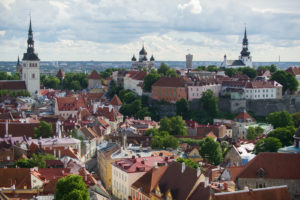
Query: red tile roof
x=116 y=101
x=143 y=164
x=109 y=114
x=235 y=171
x=137 y=75
x=18 y=129
x=170 y=82
x=182 y=184
x=70 y=103
x=60 y=74
x=12 y=85
x=270 y=193
x=274 y=166
x=94 y=75
x=243 y=117
x=258 y=84
x=149 y=181
x=18 y=176
x=293 y=70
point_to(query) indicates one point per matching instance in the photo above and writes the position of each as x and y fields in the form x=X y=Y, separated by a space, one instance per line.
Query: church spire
x=245 y=51
x=30 y=28
x=30 y=55
x=18 y=60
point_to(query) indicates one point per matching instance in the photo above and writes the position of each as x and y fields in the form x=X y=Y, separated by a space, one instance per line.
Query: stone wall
x=293 y=184
x=262 y=107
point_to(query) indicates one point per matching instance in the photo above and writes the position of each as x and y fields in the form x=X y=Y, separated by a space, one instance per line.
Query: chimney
x=206 y=181
x=198 y=171
x=63 y=172
x=182 y=167
x=54 y=152
x=65 y=162
x=59 y=153
x=6 y=128
x=155 y=165
x=85 y=175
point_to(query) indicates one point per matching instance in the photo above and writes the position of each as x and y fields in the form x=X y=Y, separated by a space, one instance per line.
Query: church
x=143 y=62
x=245 y=60
x=30 y=68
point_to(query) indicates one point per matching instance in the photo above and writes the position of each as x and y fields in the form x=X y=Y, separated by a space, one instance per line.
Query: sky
x=114 y=30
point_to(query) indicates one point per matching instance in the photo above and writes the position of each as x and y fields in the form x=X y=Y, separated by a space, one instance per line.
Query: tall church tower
x=31 y=66
x=245 y=53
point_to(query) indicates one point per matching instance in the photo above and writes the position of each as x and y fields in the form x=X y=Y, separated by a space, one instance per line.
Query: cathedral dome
x=152 y=58
x=143 y=51
x=133 y=58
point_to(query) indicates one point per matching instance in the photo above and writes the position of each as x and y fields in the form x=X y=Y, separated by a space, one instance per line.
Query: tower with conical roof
x=18 y=66
x=245 y=53
x=31 y=66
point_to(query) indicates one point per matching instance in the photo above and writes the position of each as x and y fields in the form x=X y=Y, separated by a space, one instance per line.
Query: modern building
x=31 y=66
x=189 y=61
x=245 y=60
x=142 y=62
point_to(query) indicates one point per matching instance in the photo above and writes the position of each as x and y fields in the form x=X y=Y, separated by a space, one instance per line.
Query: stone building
x=94 y=80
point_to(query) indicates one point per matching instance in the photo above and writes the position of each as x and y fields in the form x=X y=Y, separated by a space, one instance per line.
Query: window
x=33 y=76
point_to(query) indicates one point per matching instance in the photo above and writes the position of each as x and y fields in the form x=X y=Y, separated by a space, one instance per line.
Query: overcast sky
x=114 y=30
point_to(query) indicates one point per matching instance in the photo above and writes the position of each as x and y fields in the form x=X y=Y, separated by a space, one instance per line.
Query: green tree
x=251 y=72
x=75 y=81
x=163 y=69
x=280 y=119
x=150 y=79
x=210 y=103
x=163 y=140
x=189 y=163
x=172 y=73
x=212 y=68
x=42 y=78
x=269 y=144
x=211 y=150
x=174 y=125
x=51 y=82
x=144 y=112
x=200 y=68
x=71 y=187
x=230 y=71
x=287 y=80
x=253 y=133
x=284 y=134
x=44 y=130
x=182 y=108
x=296 y=119
x=37 y=160
x=129 y=97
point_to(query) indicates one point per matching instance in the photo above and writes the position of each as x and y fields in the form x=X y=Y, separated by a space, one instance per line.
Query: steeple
x=18 y=61
x=245 y=51
x=30 y=55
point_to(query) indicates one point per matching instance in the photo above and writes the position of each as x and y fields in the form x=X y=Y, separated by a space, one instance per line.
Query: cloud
x=193 y=6
x=115 y=29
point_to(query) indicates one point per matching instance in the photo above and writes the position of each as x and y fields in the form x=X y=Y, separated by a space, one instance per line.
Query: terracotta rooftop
x=170 y=82
x=270 y=193
x=294 y=70
x=60 y=73
x=258 y=84
x=269 y=164
x=141 y=164
x=148 y=182
x=244 y=117
x=20 y=177
x=181 y=184
x=137 y=75
x=12 y=85
x=110 y=114
x=116 y=101
x=70 y=103
x=94 y=75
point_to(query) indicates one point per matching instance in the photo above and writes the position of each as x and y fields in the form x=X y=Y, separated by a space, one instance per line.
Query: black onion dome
x=144 y=58
x=133 y=58
x=152 y=58
x=143 y=51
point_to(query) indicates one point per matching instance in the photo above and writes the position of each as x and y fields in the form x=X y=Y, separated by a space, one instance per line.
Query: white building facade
x=31 y=66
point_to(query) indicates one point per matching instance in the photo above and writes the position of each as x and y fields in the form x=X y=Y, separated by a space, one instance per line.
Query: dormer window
x=261 y=173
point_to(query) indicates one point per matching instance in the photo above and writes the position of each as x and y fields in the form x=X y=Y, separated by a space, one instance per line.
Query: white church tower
x=31 y=66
